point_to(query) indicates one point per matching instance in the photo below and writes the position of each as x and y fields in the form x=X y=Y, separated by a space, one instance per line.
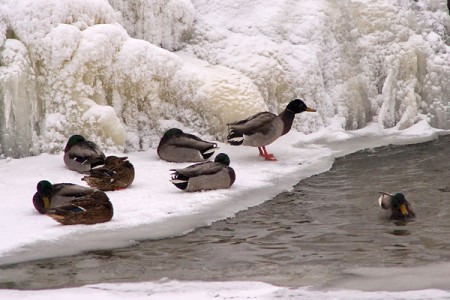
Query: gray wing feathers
x=86 y=150
x=258 y=123
x=206 y=168
x=63 y=193
x=188 y=142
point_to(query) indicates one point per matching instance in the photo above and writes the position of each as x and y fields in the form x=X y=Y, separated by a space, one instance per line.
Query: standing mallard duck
x=81 y=155
x=116 y=174
x=177 y=146
x=395 y=207
x=263 y=128
x=70 y=204
x=208 y=175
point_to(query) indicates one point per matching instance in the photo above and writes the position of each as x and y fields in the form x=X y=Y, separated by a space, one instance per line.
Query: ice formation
x=109 y=70
x=168 y=24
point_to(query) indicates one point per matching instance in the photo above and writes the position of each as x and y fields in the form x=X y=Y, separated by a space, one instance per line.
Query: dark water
x=307 y=236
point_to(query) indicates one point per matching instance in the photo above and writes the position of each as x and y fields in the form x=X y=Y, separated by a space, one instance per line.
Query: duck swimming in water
x=264 y=128
x=395 y=207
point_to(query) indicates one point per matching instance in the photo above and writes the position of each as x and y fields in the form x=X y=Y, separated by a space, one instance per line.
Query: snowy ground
x=153 y=208
x=213 y=290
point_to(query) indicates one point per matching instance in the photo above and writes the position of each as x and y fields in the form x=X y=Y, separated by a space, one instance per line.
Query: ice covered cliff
x=115 y=71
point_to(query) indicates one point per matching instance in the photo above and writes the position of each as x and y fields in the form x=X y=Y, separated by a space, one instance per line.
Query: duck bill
x=310 y=109
x=46 y=202
x=404 y=210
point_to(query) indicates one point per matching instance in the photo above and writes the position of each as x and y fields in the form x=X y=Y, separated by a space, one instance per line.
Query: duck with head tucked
x=70 y=204
x=81 y=155
x=264 y=128
x=178 y=146
x=395 y=207
x=117 y=173
x=210 y=175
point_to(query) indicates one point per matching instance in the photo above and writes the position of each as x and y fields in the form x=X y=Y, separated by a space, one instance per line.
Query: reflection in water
x=308 y=236
x=400 y=232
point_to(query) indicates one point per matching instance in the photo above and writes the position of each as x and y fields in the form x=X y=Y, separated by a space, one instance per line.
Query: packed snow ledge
x=165 y=289
x=152 y=208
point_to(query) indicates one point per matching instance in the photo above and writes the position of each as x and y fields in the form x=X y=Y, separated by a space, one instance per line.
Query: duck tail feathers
x=235 y=138
x=211 y=150
x=180 y=181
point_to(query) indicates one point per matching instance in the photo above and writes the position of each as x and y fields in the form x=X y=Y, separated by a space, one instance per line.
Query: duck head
x=223 y=159
x=41 y=199
x=399 y=204
x=172 y=132
x=73 y=140
x=297 y=106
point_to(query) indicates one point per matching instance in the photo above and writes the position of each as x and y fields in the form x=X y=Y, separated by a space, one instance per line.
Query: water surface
x=308 y=236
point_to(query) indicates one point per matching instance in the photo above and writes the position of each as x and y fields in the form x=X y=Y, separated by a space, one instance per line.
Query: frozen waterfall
x=117 y=71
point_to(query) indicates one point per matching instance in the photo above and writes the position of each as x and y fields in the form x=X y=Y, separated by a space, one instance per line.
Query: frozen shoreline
x=153 y=209
x=172 y=289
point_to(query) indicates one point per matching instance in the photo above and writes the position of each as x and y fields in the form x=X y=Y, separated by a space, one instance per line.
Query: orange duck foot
x=267 y=156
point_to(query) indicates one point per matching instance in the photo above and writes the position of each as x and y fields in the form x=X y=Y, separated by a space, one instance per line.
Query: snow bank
x=168 y=24
x=77 y=62
x=67 y=47
x=361 y=61
x=19 y=107
x=241 y=290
